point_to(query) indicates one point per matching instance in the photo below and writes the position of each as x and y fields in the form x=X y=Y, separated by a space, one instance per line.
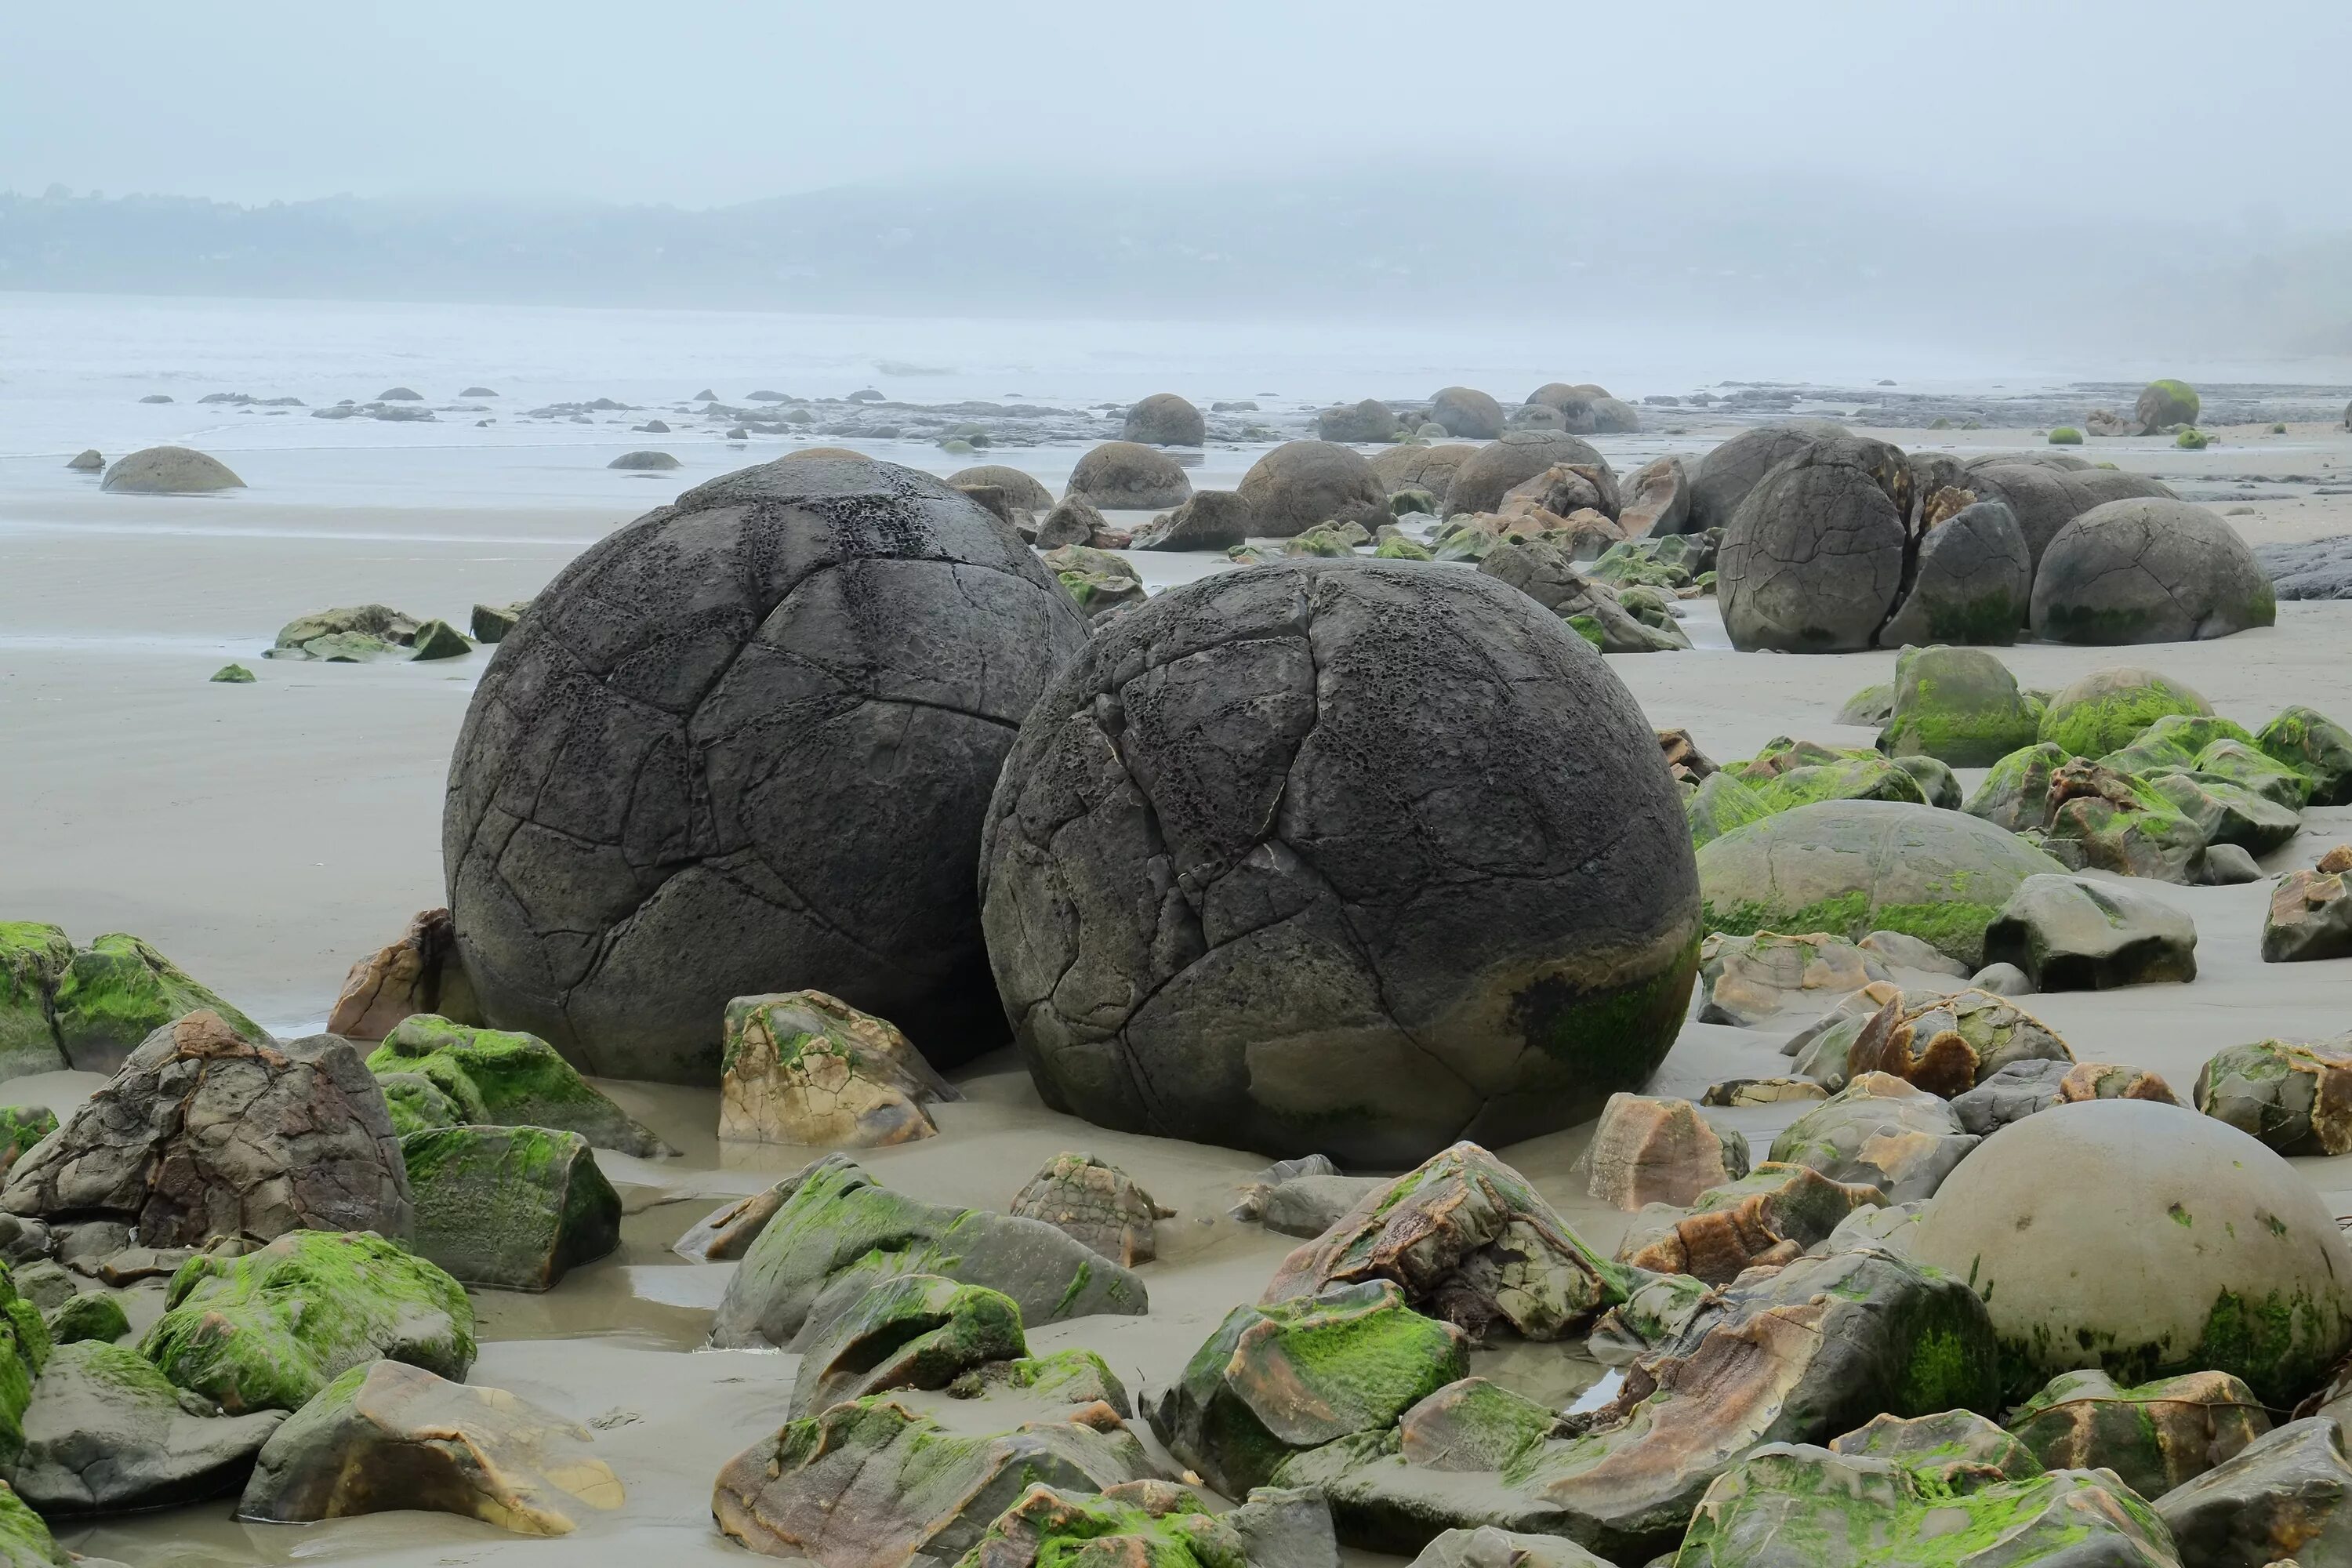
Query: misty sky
x=2211 y=109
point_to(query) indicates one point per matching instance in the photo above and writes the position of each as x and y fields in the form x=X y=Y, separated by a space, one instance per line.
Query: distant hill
x=1544 y=241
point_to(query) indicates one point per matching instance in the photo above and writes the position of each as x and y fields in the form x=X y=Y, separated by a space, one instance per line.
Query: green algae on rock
x=33 y=960
x=2296 y=1098
x=269 y=1329
x=1157 y=1523
x=118 y=991
x=2108 y=709
x=88 y=1315
x=25 y=1538
x=21 y=1127
x=514 y=1208
x=2314 y=745
x=107 y=1432
x=2155 y=1436
x=438 y=639
x=1958 y=705
x=918 y=1330
x=24 y=1350
x=2015 y=793
x=232 y=675
x=510 y=1078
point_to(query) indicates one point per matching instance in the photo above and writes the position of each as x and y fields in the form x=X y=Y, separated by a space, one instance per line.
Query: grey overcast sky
x=2200 y=108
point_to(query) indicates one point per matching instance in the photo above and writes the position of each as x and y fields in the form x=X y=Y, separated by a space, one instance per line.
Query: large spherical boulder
x=1430 y=468
x=2149 y=571
x=1732 y=468
x=1164 y=419
x=744 y=745
x=1490 y=473
x=1130 y=476
x=1573 y=404
x=1302 y=483
x=1817 y=553
x=2107 y=709
x=1466 y=412
x=169 y=471
x=1852 y=867
x=1371 y=420
x=1021 y=490
x=2044 y=495
x=2145 y=1239
x=1615 y=416
x=2164 y=404
x=1343 y=857
x=1972 y=582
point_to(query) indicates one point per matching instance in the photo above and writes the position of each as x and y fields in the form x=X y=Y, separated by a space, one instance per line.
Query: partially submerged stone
x=388 y=1436
x=1749 y=980
x=1958 y=705
x=379 y=623
x=824 y=1238
x=2155 y=1436
x=107 y=1432
x=1283 y=1378
x=232 y=675
x=2295 y=1097
x=511 y=1079
x=2071 y=933
x=206 y=1134
x=1769 y=1216
x=438 y=639
x=2309 y=918
x=514 y=1208
x=491 y=623
x=2285 y=1498
x=801 y=1066
x=1467 y=1240
x=1095 y=1202
x=118 y=991
x=418 y=974
x=33 y=960
x=267 y=1330
x=1647 y=1150
x=1880 y=1131
x=918 y=1330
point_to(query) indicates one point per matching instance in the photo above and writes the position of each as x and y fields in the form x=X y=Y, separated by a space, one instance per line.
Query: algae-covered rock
x=515 y=1208
x=25 y=1538
x=801 y=1066
x=826 y=1236
x=1771 y=1214
x=25 y=1349
x=1470 y=1240
x=2015 y=793
x=2294 y=1097
x=491 y=623
x=21 y=1127
x=1647 y=1150
x=918 y=1330
x=380 y=623
x=205 y=1134
x=1849 y=867
x=512 y=1079
x=1277 y=1379
x=118 y=991
x=1960 y=705
x=107 y=1432
x=2164 y=404
x=2224 y=812
x=1880 y=1131
x=2314 y=745
x=2285 y=1498
x=93 y=1316
x=1095 y=1203
x=269 y=1329
x=2119 y=822
x=1098 y=580
x=2144 y=1240
x=386 y=1437
x=232 y=675
x=2071 y=933
x=2107 y=708
x=1159 y=1523
x=2155 y=1436
x=1719 y=804
x=1871 y=707
x=33 y=960
x=2175 y=741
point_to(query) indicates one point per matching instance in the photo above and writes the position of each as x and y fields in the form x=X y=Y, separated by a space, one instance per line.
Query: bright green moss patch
x=118 y=990
x=509 y=1080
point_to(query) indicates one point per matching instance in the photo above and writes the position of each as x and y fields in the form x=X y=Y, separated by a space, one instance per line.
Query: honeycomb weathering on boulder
x=744 y=745
x=1338 y=856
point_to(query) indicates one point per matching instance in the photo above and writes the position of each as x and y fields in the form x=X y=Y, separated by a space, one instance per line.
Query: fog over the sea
x=2162 y=176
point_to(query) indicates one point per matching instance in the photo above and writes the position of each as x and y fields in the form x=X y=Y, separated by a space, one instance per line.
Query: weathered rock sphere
x=1019 y=488
x=169 y=470
x=1164 y=419
x=1465 y=410
x=1302 y=483
x=1338 y=856
x=1128 y=475
x=2149 y=571
x=1816 y=552
x=1487 y=475
x=744 y=744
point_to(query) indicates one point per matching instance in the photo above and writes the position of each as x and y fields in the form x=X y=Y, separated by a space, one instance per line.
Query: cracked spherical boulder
x=1973 y=582
x=1499 y=466
x=1721 y=481
x=2149 y=571
x=1021 y=489
x=1130 y=475
x=2047 y=491
x=1814 y=557
x=744 y=745
x=1346 y=857
x=1302 y=484
x=2146 y=1240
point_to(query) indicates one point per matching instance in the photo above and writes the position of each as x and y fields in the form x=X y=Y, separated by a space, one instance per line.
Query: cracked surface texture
x=1346 y=857
x=1815 y=556
x=1972 y=582
x=2148 y=571
x=1490 y=473
x=1302 y=483
x=2044 y=495
x=744 y=745
x=1724 y=477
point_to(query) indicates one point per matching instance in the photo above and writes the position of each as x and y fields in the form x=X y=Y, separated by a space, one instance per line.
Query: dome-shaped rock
x=1430 y=468
x=1302 y=483
x=1495 y=469
x=1021 y=490
x=1726 y=474
x=1816 y=554
x=2149 y=571
x=1972 y=582
x=644 y=462
x=1468 y=413
x=169 y=471
x=1164 y=419
x=2044 y=495
x=1130 y=476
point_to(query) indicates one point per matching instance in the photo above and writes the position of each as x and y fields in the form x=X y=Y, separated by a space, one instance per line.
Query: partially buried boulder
x=418 y=974
x=439 y=639
x=1300 y=484
x=1972 y=582
x=89 y=460
x=1495 y=469
x=390 y=1436
x=644 y=462
x=1075 y=520
x=169 y=471
x=824 y=1240
x=1958 y=705
x=1130 y=476
x=117 y=992
x=2071 y=933
x=1164 y=419
x=2164 y=404
x=2316 y=746
x=1818 y=551
x=1211 y=519
x=805 y=1067
x=2155 y=1436
x=1413 y=468
x=107 y=1432
x=918 y=1330
x=514 y=1208
x=2148 y=571
x=654 y=813
x=1466 y=413
x=1021 y=489
x=1728 y=472
x=206 y=1135
x=2108 y=709
x=1436 y=877
x=267 y=1330
x=1371 y=420
x=511 y=1079
x=2089 y=1232
x=1095 y=1202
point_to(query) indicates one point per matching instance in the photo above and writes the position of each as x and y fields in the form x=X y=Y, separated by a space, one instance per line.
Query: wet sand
x=267 y=835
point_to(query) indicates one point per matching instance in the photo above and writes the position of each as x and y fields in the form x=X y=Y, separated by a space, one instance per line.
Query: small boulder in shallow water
x=169 y=470
x=514 y=1208
x=801 y=1066
x=233 y=675
x=1095 y=1203
x=439 y=639
x=107 y=1432
x=390 y=1436
x=644 y=462
x=89 y=461
x=491 y=623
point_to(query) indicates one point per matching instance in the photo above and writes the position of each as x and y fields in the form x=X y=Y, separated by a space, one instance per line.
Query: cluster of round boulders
x=2046 y=491
x=1131 y=476
x=1371 y=420
x=1164 y=419
x=1430 y=468
x=1021 y=490
x=1818 y=551
x=1301 y=484
x=1466 y=413
x=169 y=471
x=1495 y=469
x=745 y=745
x=1346 y=857
x=2149 y=571
x=1733 y=469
